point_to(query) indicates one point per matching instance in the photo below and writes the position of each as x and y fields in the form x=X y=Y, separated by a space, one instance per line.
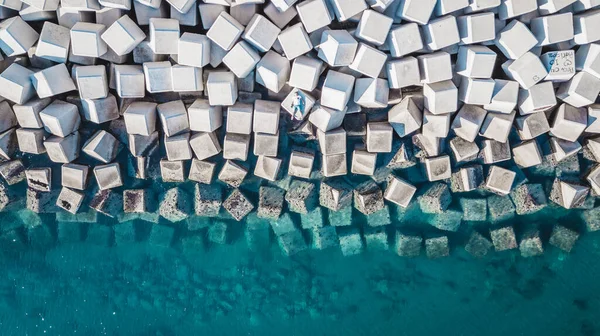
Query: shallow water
x=139 y=288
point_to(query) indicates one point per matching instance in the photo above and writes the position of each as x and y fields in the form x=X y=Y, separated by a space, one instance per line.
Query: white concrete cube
x=281 y=19
x=405 y=39
x=205 y=145
x=241 y=59
x=527 y=154
x=532 y=125
x=337 y=90
x=273 y=71
x=31 y=140
x=435 y=67
x=332 y=142
x=504 y=97
x=406 y=117
x=440 y=97
x=86 y=41
x=266 y=116
x=100 y=110
x=186 y=78
x=569 y=122
x=301 y=164
x=363 y=162
x=515 y=40
x=438 y=168
x=476 y=91
x=267 y=167
x=373 y=27
x=334 y=165
x=379 y=137
x=261 y=33
x=52 y=81
x=403 y=72
x=177 y=147
x=123 y=35
x=500 y=180
x=140 y=118
x=92 y=82
x=399 y=192
x=468 y=121
x=225 y=31
x=371 y=92
x=158 y=76
x=203 y=117
x=102 y=146
x=477 y=28
x=130 y=81
x=173 y=117
x=16 y=85
x=16 y=36
x=294 y=41
x=28 y=114
x=53 y=43
x=586 y=27
x=326 y=119
x=239 y=118
x=266 y=144
x=553 y=28
x=441 y=32
x=193 y=50
x=475 y=61
x=418 y=11
x=60 y=118
x=559 y=64
x=305 y=73
x=164 y=36
x=497 y=126
x=509 y=9
x=314 y=14
x=209 y=12
x=368 y=61
x=528 y=70
x=222 y=88
x=236 y=146
x=63 y=149
x=538 y=98
x=581 y=90
x=108 y=176
x=337 y=47
x=434 y=125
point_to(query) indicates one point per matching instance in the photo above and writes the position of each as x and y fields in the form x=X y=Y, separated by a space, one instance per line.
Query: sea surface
x=78 y=282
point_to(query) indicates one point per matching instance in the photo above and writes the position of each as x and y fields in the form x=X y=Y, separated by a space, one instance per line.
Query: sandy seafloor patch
x=227 y=290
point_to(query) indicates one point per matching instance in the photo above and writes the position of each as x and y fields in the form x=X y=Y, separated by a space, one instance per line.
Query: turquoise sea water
x=71 y=284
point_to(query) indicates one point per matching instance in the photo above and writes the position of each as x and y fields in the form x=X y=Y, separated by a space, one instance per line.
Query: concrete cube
x=241 y=59
x=515 y=40
x=31 y=140
x=504 y=238
x=528 y=70
x=175 y=205
x=563 y=238
x=294 y=41
x=92 y=82
x=203 y=117
x=53 y=43
x=123 y=35
x=60 y=118
x=560 y=65
x=173 y=117
x=16 y=84
x=368 y=61
x=52 y=81
x=16 y=36
x=186 y=78
x=440 y=97
x=86 y=40
x=500 y=208
x=193 y=50
x=399 y=192
x=235 y=146
x=222 y=88
x=207 y=200
x=108 y=176
x=504 y=97
x=267 y=167
x=441 y=32
x=39 y=179
x=237 y=205
x=363 y=162
x=528 y=198
x=337 y=48
x=476 y=91
x=435 y=67
x=581 y=90
x=538 y=98
x=177 y=147
x=553 y=28
x=475 y=61
x=408 y=245
x=416 y=11
x=497 y=126
x=336 y=90
x=140 y=118
x=466 y=179
x=270 y=204
x=527 y=154
x=586 y=27
x=273 y=71
x=69 y=200
x=130 y=81
x=463 y=150
x=225 y=31
x=158 y=77
x=500 y=180
x=478 y=246
x=405 y=39
x=476 y=28
x=232 y=174
x=403 y=72
x=468 y=121
x=298 y=104
x=266 y=144
x=205 y=145
x=102 y=146
x=373 y=27
x=532 y=125
x=314 y=14
x=63 y=149
x=379 y=137
x=201 y=171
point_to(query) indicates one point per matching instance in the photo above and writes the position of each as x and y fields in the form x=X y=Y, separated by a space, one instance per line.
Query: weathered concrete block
x=108 y=202
x=60 y=118
x=69 y=200
x=437 y=247
x=292 y=242
x=463 y=150
x=478 y=246
x=261 y=33
x=30 y=140
x=406 y=117
x=135 y=200
x=74 y=176
x=207 y=200
x=237 y=205
x=408 y=245
x=102 y=146
x=301 y=197
x=368 y=198
x=335 y=194
x=175 y=205
x=436 y=199
x=108 y=176
x=205 y=145
x=532 y=125
x=531 y=244
x=172 y=171
x=500 y=180
x=528 y=198
x=474 y=209
x=466 y=179
x=504 y=238
x=527 y=154
x=563 y=238
x=438 y=168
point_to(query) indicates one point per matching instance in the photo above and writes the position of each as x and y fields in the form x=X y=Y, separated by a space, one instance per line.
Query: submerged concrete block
x=528 y=198
x=408 y=245
x=436 y=198
x=175 y=205
x=504 y=238
x=563 y=238
x=237 y=205
x=335 y=194
x=478 y=246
